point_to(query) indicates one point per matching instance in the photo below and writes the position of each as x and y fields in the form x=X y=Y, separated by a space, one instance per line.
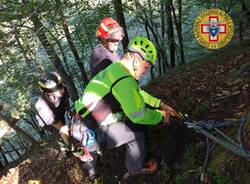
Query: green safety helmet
x=144 y=47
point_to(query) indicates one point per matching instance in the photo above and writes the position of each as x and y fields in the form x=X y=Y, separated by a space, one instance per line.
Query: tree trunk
x=39 y=31
x=121 y=20
x=245 y=10
x=151 y=19
x=30 y=55
x=148 y=36
x=38 y=28
x=163 y=64
x=148 y=26
x=12 y=124
x=71 y=44
x=228 y=7
x=180 y=35
x=1 y=166
x=162 y=12
x=208 y=4
x=162 y=23
x=215 y=4
x=159 y=39
x=152 y=72
x=162 y=52
x=170 y=31
x=241 y=31
x=243 y=14
x=178 y=24
x=23 y=51
x=160 y=65
x=60 y=48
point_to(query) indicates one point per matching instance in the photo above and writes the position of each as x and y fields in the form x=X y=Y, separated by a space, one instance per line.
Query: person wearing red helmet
x=115 y=90
x=109 y=33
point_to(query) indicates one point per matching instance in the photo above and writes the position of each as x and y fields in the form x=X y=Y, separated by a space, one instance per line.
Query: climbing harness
x=86 y=140
x=88 y=137
x=82 y=152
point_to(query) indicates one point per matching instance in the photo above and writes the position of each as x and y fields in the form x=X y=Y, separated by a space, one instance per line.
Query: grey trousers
x=115 y=135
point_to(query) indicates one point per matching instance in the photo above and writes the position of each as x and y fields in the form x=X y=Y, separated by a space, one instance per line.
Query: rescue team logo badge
x=213 y=28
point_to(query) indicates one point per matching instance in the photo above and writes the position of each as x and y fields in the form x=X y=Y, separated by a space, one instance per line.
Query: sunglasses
x=113 y=40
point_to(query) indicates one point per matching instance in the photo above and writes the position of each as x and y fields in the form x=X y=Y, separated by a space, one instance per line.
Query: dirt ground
x=215 y=87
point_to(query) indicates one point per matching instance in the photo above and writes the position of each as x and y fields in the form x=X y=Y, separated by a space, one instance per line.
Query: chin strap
x=134 y=67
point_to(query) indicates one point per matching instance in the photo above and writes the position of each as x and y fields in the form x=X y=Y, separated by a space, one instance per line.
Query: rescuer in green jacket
x=119 y=84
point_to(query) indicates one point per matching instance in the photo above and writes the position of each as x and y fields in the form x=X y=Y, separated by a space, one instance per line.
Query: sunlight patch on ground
x=4 y=129
x=12 y=176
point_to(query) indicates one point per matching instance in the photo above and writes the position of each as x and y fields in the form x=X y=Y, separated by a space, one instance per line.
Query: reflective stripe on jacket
x=117 y=81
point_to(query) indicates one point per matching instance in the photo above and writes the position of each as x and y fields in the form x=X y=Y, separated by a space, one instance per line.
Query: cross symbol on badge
x=213 y=29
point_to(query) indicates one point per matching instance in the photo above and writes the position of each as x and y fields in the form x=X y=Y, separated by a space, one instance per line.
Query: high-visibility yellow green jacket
x=114 y=89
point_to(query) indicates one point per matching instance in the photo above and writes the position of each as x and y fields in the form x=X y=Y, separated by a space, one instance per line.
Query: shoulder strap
x=84 y=109
x=44 y=123
x=118 y=80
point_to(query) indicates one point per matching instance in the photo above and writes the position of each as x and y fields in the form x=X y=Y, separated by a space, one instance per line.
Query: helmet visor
x=52 y=88
x=58 y=87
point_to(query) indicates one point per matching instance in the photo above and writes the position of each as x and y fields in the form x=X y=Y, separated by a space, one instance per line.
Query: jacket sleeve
x=78 y=105
x=127 y=93
x=150 y=100
x=44 y=115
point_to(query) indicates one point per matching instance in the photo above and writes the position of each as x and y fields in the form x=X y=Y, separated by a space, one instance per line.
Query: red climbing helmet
x=109 y=29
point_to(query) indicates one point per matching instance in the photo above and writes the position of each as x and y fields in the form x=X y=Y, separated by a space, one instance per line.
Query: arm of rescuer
x=157 y=103
x=127 y=93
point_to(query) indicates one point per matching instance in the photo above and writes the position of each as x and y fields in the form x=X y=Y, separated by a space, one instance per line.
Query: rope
x=210 y=129
x=204 y=128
